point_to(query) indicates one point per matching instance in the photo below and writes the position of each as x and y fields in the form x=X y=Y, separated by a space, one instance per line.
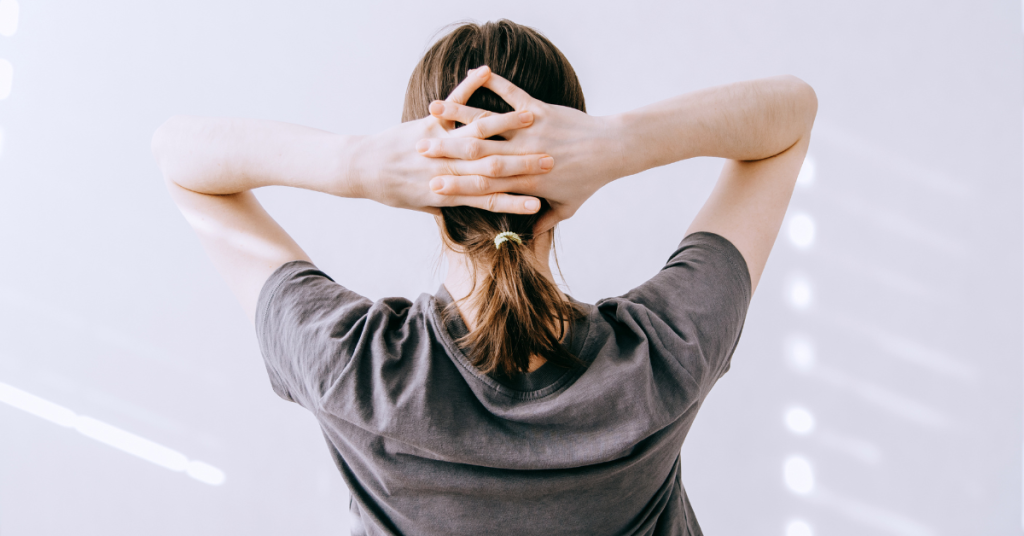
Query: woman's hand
x=584 y=148
x=394 y=173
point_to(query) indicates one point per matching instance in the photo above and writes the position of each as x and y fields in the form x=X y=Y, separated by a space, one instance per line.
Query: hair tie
x=506 y=236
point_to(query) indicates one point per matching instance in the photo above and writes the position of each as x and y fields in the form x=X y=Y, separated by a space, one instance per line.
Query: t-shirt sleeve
x=307 y=326
x=701 y=295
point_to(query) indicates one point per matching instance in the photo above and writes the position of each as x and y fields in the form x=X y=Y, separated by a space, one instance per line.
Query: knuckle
x=529 y=165
x=492 y=202
x=473 y=149
x=495 y=167
x=480 y=183
x=448 y=168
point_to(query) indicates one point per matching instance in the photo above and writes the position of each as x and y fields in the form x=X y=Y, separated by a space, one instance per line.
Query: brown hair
x=519 y=311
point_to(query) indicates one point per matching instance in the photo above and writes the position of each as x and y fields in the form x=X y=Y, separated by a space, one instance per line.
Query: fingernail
x=423 y=146
x=526 y=117
x=437 y=108
x=436 y=184
x=533 y=205
x=481 y=71
x=547 y=162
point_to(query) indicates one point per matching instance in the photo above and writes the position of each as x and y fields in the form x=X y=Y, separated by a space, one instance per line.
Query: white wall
x=910 y=345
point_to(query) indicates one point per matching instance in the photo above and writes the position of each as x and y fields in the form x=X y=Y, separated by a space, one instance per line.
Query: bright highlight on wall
x=800 y=353
x=799 y=421
x=6 y=76
x=801 y=230
x=9 y=17
x=798 y=527
x=110 y=435
x=798 y=475
x=807 y=172
x=799 y=293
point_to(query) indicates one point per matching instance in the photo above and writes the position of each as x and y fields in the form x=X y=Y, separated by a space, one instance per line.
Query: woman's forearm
x=227 y=156
x=743 y=121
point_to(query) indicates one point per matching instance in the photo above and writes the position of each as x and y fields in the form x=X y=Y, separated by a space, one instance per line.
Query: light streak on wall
x=892 y=402
x=859 y=449
x=896 y=222
x=857 y=269
x=895 y=164
x=868 y=515
x=801 y=422
x=801 y=357
x=110 y=435
x=909 y=350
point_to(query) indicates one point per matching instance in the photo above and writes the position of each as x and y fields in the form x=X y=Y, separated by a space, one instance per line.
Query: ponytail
x=520 y=312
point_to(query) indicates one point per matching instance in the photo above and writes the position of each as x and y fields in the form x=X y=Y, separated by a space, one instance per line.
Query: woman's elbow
x=165 y=132
x=805 y=99
x=161 y=144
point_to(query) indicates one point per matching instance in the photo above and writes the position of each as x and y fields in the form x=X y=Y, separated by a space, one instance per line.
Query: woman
x=501 y=405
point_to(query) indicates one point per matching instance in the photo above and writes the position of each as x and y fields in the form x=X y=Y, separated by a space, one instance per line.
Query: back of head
x=519 y=311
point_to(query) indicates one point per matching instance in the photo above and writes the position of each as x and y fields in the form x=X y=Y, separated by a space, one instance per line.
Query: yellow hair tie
x=507 y=235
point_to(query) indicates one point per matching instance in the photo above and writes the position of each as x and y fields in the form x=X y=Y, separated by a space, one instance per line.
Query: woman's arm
x=750 y=120
x=221 y=156
x=211 y=164
x=761 y=126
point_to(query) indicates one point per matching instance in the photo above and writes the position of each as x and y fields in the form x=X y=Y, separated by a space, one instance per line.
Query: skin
x=761 y=127
x=459 y=282
x=210 y=166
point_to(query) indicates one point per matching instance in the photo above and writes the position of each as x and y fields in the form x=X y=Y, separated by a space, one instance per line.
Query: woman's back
x=428 y=444
x=436 y=429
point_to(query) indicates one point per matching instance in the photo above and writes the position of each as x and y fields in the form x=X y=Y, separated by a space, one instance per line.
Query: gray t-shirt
x=429 y=445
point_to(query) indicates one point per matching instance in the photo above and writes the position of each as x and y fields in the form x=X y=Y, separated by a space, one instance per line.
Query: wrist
x=352 y=172
x=621 y=154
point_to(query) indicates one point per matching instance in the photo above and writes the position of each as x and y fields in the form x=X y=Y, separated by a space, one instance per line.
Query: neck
x=460 y=283
x=459 y=280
